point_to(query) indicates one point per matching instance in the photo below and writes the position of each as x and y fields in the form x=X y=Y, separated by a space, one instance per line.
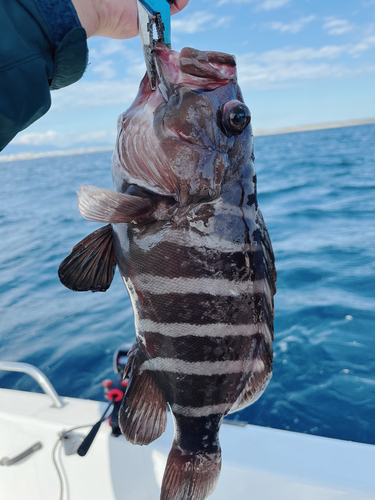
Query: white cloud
x=221 y=21
x=260 y=4
x=336 y=26
x=63 y=140
x=137 y=70
x=105 y=69
x=259 y=76
x=281 y=56
x=283 y=66
x=112 y=46
x=292 y=27
x=221 y=2
x=366 y=44
x=87 y=95
x=101 y=48
x=97 y=135
x=198 y=21
x=36 y=139
x=272 y=4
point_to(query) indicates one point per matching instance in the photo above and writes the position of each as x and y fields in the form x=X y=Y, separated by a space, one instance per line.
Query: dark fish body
x=196 y=258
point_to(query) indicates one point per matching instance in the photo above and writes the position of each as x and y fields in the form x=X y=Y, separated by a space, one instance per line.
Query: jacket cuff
x=71 y=53
x=60 y=16
x=70 y=59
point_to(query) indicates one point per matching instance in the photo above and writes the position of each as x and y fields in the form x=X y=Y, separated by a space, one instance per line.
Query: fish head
x=191 y=135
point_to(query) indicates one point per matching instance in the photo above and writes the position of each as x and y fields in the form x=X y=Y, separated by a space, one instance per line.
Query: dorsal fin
x=101 y=205
x=91 y=264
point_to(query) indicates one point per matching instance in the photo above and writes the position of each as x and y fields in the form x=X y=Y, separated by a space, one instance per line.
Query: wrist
x=108 y=18
x=87 y=15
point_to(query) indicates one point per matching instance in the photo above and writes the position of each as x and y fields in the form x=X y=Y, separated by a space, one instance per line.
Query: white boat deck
x=258 y=463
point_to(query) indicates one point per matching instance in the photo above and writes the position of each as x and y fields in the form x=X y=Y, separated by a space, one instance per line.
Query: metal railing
x=36 y=374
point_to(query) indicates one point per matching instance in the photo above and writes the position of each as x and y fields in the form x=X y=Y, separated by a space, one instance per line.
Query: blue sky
x=299 y=62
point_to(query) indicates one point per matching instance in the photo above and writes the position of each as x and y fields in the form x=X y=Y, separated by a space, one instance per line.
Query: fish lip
x=192 y=69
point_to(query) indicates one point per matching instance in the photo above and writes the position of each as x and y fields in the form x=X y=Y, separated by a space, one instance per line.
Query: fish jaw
x=173 y=141
x=193 y=69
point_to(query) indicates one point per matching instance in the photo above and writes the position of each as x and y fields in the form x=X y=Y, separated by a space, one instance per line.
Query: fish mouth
x=192 y=68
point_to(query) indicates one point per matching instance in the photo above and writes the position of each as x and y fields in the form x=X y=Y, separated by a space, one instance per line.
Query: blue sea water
x=316 y=191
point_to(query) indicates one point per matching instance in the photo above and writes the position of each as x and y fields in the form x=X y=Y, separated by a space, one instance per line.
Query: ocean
x=316 y=192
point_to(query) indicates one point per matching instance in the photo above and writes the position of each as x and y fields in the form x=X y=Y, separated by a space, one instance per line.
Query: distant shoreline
x=46 y=154
x=257 y=133
x=315 y=126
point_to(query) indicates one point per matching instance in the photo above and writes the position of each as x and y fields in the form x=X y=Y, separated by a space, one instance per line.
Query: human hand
x=113 y=18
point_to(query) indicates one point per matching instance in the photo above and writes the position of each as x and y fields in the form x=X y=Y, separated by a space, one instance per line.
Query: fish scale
x=185 y=230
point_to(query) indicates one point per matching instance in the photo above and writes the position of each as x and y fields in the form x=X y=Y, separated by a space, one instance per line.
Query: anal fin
x=91 y=263
x=143 y=413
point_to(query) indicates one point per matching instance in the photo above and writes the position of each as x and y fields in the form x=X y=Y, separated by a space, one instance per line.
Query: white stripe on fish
x=203 y=411
x=188 y=238
x=213 y=330
x=213 y=286
x=207 y=368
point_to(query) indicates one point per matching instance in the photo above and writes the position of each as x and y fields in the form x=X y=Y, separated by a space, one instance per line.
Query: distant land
x=284 y=130
x=46 y=154
x=315 y=126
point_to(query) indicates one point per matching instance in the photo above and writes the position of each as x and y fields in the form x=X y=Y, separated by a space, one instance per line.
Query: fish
x=184 y=228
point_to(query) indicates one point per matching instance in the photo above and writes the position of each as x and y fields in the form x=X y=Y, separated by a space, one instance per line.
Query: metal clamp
x=154 y=13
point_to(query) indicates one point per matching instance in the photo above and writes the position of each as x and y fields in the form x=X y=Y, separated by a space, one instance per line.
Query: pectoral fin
x=101 y=205
x=91 y=263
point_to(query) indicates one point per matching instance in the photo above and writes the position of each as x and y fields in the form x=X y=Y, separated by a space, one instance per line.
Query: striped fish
x=185 y=230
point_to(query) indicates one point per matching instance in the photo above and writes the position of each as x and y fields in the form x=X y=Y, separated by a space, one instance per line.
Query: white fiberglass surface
x=258 y=462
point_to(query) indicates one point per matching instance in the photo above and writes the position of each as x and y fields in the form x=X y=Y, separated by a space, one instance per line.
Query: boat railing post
x=37 y=375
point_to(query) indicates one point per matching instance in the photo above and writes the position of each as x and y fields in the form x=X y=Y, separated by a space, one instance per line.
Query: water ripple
x=316 y=191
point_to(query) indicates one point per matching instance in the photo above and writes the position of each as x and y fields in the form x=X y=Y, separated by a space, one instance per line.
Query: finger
x=178 y=5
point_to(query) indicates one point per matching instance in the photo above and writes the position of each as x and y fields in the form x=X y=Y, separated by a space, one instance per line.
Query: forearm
x=113 y=18
x=35 y=56
x=108 y=18
x=87 y=15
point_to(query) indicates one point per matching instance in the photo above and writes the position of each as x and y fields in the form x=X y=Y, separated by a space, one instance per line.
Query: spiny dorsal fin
x=101 y=205
x=91 y=264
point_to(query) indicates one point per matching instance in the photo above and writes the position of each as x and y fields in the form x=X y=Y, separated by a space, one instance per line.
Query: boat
x=42 y=436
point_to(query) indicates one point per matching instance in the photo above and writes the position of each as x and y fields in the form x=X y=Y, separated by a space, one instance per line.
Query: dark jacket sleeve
x=38 y=53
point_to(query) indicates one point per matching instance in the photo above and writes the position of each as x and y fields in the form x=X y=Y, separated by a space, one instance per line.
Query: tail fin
x=190 y=476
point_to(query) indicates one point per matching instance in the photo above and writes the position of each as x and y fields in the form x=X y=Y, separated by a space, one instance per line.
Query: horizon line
x=257 y=133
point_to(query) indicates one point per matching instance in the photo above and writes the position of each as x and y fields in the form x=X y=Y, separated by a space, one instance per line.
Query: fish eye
x=236 y=117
